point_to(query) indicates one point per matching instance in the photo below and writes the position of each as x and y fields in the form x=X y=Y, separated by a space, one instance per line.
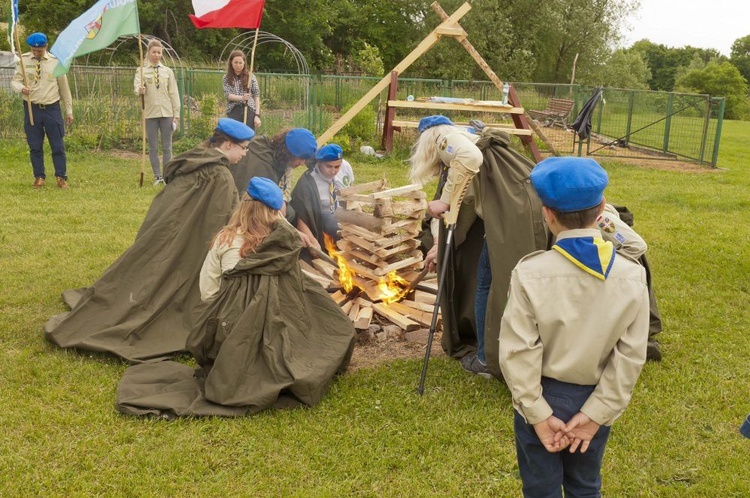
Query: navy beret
x=37 y=40
x=569 y=184
x=329 y=152
x=301 y=143
x=431 y=121
x=235 y=129
x=264 y=190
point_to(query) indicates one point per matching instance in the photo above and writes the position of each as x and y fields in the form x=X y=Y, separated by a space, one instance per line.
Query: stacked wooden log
x=378 y=250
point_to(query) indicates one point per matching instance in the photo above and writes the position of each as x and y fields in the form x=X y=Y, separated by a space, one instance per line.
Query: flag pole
x=25 y=78
x=252 y=64
x=143 y=113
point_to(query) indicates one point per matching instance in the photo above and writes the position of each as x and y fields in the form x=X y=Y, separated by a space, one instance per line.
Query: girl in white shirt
x=251 y=222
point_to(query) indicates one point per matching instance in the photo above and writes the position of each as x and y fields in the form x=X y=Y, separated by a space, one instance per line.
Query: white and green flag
x=96 y=29
x=12 y=26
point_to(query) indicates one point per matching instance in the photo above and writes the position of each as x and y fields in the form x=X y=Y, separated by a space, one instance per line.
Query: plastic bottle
x=506 y=91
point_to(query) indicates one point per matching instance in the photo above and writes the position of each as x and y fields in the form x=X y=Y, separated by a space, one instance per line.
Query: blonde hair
x=251 y=219
x=154 y=43
x=425 y=161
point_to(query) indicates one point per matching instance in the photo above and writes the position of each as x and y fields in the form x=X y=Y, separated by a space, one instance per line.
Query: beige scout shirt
x=218 y=260
x=46 y=89
x=624 y=238
x=457 y=147
x=162 y=102
x=560 y=322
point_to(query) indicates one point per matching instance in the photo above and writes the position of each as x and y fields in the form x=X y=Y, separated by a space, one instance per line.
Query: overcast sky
x=699 y=23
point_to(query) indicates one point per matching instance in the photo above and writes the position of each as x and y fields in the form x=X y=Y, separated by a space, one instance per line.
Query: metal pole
x=433 y=323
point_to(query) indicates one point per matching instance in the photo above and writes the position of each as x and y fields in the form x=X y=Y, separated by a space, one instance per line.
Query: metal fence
x=626 y=123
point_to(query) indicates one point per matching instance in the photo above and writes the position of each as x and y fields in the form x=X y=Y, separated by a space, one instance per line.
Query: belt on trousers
x=44 y=106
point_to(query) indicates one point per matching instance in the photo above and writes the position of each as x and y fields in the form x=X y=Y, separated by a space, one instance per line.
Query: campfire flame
x=346 y=274
x=392 y=288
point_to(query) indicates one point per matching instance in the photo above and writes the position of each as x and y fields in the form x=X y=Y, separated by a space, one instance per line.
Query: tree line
x=542 y=42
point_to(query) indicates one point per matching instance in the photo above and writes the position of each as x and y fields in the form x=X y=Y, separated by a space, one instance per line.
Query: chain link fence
x=625 y=123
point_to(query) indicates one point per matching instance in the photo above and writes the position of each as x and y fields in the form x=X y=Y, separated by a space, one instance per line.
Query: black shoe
x=471 y=363
x=653 y=351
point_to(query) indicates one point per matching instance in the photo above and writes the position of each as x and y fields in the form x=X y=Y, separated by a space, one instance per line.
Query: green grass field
x=372 y=435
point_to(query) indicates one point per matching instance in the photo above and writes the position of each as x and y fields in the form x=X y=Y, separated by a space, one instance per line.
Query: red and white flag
x=227 y=13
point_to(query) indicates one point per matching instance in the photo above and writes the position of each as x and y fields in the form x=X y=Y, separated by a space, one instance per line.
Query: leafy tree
x=719 y=79
x=668 y=64
x=740 y=56
x=623 y=69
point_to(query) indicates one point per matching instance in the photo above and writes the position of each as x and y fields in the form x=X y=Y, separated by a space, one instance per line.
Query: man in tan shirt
x=46 y=92
x=573 y=336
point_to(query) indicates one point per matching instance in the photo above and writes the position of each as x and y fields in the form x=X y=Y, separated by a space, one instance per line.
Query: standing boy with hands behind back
x=573 y=335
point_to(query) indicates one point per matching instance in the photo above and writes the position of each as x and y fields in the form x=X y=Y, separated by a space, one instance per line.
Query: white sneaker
x=159 y=181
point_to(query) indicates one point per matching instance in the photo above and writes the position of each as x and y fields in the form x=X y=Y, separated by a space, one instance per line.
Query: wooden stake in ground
x=25 y=78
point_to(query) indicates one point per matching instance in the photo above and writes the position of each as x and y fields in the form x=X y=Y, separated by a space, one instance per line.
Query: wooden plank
x=404 y=323
x=405 y=104
x=364 y=256
x=305 y=266
x=407 y=246
x=425 y=45
x=323 y=281
x=364 y=303
x=428 y=307
x=339 y=297
x=395 y=192
x=409 y=225
x=419 y=316
x=364 y=187
x=454 y=32
x=358 y=218
x=372 y=246
x=399 y=265
x=510 y=129
x=407 y=208
x=354 y=311
x=364 y=318
x=324 y=267
x=384 y=208
x=347 y=306
x=363 y=199
x=424 y=297
x=361 y=232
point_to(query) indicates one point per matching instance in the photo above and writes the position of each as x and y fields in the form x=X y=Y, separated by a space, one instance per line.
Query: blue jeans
x=484 y=280
x=546 y=474
x=48 y=120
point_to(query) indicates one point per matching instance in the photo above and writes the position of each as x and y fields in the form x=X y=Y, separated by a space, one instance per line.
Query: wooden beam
x=364 y=187
x=447 y=106
x=398 y=319
x=359 y=218
x=520 y=123
x=364 y=317
x=508 y=128
x=395 y=192
x=415 y=54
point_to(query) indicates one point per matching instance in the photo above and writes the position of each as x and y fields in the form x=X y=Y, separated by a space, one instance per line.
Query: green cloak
x=272 y=338
x=260 y=160
x=137 y=309
x=306 y=204
x=511 y=220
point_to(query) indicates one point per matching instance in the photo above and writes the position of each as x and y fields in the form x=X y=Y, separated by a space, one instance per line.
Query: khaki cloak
x=502 y=205
x=272 y=338
x=139 y=307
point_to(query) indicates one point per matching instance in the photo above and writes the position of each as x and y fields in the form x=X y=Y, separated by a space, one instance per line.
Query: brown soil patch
x=370 y=353
x=562 y=141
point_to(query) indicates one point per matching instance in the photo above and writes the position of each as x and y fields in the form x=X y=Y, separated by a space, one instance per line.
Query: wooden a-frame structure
x=448 y=28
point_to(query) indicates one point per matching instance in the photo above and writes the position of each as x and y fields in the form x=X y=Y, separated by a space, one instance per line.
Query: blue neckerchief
x=593 y=255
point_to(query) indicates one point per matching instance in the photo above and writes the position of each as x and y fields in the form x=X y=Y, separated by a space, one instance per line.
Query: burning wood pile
x=377 y=258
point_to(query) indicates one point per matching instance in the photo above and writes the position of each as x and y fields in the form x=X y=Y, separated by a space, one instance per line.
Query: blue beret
x=264 y=190
x=431 y=121
x=37 y=40
x=235 y=129
x=569 y=184
x=301 y=143
x=329 y=152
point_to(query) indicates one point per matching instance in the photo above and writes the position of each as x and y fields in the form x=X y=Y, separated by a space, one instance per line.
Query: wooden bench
x=557 y=111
